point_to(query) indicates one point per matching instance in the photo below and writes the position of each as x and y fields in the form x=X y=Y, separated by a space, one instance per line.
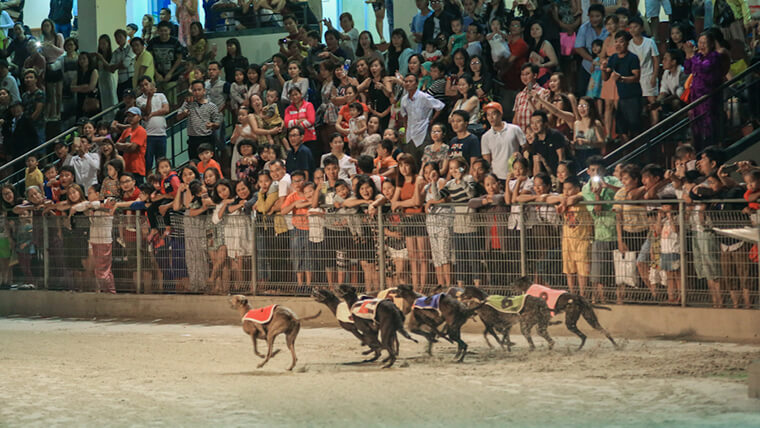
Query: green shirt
x=604 y=220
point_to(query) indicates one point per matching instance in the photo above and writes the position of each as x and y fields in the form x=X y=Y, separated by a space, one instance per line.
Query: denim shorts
x=670 y=262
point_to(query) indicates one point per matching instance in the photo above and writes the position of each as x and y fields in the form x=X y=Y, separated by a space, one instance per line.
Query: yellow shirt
x=33 y=178
x=578 y=224
x=144 y=60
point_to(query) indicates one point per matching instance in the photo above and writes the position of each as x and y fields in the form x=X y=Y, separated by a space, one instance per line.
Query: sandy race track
x=82 y=373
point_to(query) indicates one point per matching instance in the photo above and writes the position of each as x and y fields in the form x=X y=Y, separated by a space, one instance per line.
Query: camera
x=730 y=167
x=596 y=179
x=284 y=41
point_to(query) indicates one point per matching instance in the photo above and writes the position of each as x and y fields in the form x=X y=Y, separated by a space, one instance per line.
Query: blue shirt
x=624 y=67
x=300 y=159
x=418 y=25
x=585 y=36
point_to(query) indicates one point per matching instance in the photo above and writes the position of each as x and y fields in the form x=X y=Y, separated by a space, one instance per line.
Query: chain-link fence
x=659 y=252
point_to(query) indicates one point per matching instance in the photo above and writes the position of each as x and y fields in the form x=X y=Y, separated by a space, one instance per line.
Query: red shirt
x=134 y=161
x=130 y=233
x=519 y=50
x=309 y=116
x=753 y=205
x=202 y=167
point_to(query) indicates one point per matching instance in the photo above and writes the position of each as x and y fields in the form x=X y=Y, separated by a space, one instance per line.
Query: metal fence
x=612 y=252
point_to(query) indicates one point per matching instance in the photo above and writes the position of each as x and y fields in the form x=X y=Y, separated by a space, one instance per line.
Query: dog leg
x=462 y=347
x=270 y=342
x=290 y=339
x=525 y=328
x=389 y=335
x=572 y=326
x=543 y=332
x=593 y=321
x=255 y=338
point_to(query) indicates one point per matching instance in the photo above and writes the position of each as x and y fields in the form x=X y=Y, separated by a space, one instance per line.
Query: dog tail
x=555 y=322
x=398 y=317
x=606 y=308
x=319 y=312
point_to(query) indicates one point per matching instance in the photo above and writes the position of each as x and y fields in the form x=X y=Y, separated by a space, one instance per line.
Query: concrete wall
x=258 y=48
x=632 y=321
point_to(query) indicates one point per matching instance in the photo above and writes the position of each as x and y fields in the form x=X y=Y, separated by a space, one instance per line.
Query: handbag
x=54 y=71
x=90 y=105
x=723 y=15
x=625 y=267
x=566 y=44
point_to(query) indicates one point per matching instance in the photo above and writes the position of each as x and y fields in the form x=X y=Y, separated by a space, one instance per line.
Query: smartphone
x=284 y=41
x=730 y=167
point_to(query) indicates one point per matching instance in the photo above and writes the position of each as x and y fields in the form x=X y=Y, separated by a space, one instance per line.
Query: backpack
x=723 y=14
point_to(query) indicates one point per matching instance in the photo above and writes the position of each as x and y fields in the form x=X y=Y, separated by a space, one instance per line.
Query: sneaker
x=121 y=242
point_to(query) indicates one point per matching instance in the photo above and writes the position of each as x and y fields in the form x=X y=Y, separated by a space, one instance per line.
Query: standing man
x=167 y=54
x=143 y=63
x=624 y=69
x=524 y=103
x=215 y=91
x=502 y=143
x=547 y=145
x=60 y=14
x=418 y=23
x=204 y=118
x=438 y=23
x=123 y=61
x=8 y=82
x=299 y=156
x=417 y=107
x=132 y=143
x=154 y=107
x=165 y=15
x=587 y=33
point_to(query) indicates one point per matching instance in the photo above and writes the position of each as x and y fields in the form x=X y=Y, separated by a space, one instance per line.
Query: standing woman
x=149 y=31
x=52 y=50
x=189 y=200
x=365 y=194
x=75 y=233
x=541 y=53
x=296 y=81
x=609 y=87
x=468 y=101
x=86 y=88
x=704 y=64
x=380 y=92
x=106 y=79
x=301 y=113
x=399 y=53
x=438 y=151
x=198 y=49
x=237 y=231
x=187 y=13
x=70 y=63
x=481 y=81
x=222 y=197
x=414 y=66
x=461 y=64
x=327 y=111
x=241 y=132
x=408 y=199
x=254 y=81
x=234 y=60
x=366 y=48
x=588 y=131
x=559 y=84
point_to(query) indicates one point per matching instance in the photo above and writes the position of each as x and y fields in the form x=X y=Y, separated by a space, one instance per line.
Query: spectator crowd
x=447 y=130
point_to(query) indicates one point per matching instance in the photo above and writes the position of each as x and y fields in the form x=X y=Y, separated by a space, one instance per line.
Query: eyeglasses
x=125 y=181
x=475 y=63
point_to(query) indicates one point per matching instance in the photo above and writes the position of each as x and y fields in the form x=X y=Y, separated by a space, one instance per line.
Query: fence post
x=45 y=252
x=757 y=216
x=381 y=249
x=523 y=252
x=138 y=244
x=254 y=258
x=682 y=245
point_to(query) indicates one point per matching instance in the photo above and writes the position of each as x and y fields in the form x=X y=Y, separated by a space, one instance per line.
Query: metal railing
x=648 y=146
x=623 y=252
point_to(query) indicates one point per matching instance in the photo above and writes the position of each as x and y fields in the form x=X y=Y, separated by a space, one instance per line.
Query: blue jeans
x=155 y=149
x=64 y=29
x=299 y=249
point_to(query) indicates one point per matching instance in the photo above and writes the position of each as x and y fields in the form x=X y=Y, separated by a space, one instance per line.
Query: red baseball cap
x=493 y=105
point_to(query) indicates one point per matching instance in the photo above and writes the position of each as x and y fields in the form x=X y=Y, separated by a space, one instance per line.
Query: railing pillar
x=757 y=217
x=523 y=250
x=381 y=249
x=254 y=258
x=682 y=247
x=138 y=244
x=46 y=253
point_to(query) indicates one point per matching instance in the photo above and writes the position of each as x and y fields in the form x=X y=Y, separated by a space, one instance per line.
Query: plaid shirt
x=200 y=114
x=524 y=109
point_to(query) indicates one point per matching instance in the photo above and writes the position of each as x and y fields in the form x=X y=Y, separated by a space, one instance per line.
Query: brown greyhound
x=282 y=320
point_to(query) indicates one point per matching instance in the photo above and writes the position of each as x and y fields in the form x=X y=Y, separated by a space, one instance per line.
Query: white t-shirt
x=156 y=125
x=283 y=190
x=501 y=145
x=347 y=168
x=645 y=51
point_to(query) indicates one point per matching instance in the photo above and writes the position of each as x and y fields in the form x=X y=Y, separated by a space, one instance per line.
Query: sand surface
x=76 y=373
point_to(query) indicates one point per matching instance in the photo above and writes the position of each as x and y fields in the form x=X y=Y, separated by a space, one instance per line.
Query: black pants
x=194 y=142
x=121 y=87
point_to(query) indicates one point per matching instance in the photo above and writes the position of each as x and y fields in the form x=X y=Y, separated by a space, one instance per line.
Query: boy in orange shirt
x=206 y=155
x=298 y=203
x=385 y=165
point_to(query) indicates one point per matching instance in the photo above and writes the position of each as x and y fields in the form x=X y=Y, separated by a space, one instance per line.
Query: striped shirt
x=125 y=56
x=199 y=115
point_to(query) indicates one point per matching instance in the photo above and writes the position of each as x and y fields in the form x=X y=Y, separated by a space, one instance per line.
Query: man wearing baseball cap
x=502 y=143
x=132 y=144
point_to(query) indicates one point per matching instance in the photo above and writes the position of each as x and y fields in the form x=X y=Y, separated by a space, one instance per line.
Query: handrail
x=59 y=136
x=677 y=116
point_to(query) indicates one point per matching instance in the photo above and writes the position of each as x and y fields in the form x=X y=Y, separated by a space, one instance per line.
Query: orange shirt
x=202 y=167
x=384 y=164
x=134 y=162
x=300 y=221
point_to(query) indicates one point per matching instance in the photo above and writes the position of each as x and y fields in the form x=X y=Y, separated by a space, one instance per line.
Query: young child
x=458 y=38
x=670 y=250
x=238 y=90
x=357 y=125
x=32 y=174
x=385 y=165
x=206 y=155
x=272 y=119
x=431 y=52
x=24 y=238
x=268 y=154
x=438 y=87
x=110 y=186
x=577 y=232
x=497 y=38
x=438 y=222
x=645 y=49
x=101 y=238
x=102 y=134
x=595 y=81
x=51 y=186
